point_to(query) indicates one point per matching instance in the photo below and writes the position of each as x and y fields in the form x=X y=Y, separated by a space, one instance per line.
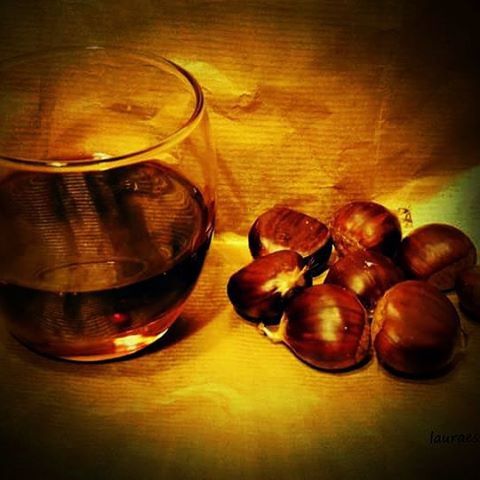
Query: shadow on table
x=205 y=303
x=443 y=375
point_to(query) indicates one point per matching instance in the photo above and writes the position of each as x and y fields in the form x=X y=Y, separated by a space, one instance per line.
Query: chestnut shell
x=468 y=291
x=282 y=228
x=327 y=327
x=367 y=274
x=415 y=329
x=436 y=253
x=366 y=226
x=258 y=291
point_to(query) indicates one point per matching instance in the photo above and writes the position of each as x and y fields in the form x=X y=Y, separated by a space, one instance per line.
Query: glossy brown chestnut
x=415 y=329
x=468 y=290
x=325 y=326
x=436 y=253
x=366 y=226
x=281 y=228
x=259 y=290
x=367 y=274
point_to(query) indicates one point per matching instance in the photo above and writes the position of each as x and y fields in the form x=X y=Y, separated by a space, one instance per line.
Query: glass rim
x=106 y=162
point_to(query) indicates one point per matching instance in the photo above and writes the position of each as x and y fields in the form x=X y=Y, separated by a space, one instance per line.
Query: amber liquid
x=98 y=265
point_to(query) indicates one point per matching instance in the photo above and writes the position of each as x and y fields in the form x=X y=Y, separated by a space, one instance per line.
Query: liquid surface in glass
x=96 y=265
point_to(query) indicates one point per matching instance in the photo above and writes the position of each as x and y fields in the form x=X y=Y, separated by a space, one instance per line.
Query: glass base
x=124 y=347
x=102 y=350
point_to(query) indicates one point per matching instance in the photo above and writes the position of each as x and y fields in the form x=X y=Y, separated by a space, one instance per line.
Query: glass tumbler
x=107 y=178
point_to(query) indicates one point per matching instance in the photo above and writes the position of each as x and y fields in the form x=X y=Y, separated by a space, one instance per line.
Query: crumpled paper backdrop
x=312 y=103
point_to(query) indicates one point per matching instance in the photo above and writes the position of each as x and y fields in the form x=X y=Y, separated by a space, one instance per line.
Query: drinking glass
x=107 y=201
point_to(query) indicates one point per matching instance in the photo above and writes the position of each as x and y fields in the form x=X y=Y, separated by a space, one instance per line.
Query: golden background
x=312 y=104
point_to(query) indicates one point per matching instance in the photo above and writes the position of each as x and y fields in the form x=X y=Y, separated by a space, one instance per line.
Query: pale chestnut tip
x=259 y=290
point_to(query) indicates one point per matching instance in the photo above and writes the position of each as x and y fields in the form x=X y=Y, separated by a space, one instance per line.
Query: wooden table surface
x=312 y=103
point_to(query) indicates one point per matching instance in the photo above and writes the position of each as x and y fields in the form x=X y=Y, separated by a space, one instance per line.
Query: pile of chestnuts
x=380 y=291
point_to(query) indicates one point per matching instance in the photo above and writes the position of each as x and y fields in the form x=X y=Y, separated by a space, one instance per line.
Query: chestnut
x=281 y=228
x=436 y=253
x=366 y=226
x=258 y=291
x=367 y=274
x=415 y=329
x=326 y=326
x=468 y=291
